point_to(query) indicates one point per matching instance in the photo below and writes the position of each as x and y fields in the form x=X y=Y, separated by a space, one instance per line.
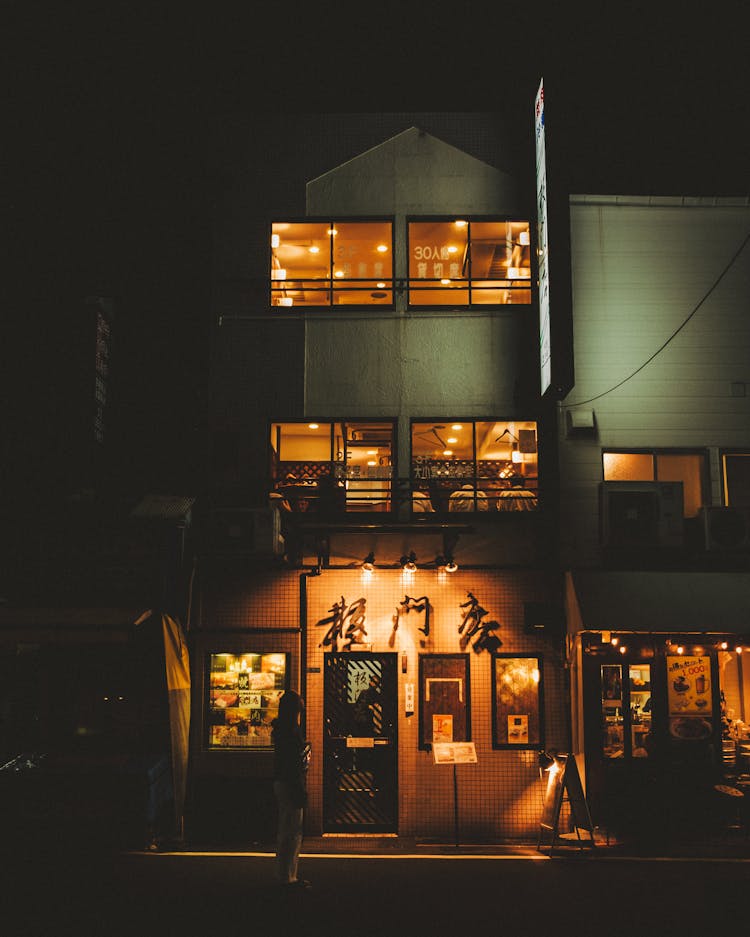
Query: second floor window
x=331 y=263
x=332 y=467
x=460 y=262
x=662 y=466
x=469 y=466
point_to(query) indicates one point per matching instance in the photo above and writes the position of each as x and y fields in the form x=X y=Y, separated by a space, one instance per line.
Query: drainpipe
x=303 y=634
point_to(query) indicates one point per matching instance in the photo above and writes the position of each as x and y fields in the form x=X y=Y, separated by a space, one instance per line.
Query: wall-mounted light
x=369 y=562
x=409 y=563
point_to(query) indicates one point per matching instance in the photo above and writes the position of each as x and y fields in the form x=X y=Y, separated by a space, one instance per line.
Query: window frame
x=331 y=290
x=470 y=304
x=725 y=493
x=654 y=452
x=478 y=480
x=389 y=483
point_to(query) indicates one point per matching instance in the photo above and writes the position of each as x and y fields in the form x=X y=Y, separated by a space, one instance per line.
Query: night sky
x=108 y=185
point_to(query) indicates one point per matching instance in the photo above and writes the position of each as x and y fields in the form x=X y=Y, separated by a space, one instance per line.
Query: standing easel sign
x=454 y=753
x=563 y=779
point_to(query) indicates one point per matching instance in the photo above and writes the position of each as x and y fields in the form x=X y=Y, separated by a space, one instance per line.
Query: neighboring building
x=655 y=505
x=374 y=378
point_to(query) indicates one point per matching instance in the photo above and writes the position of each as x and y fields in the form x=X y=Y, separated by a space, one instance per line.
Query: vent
x=726 y=529
x=636 y=515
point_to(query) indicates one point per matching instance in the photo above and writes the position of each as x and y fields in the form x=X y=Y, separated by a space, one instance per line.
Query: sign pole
x=455 y=804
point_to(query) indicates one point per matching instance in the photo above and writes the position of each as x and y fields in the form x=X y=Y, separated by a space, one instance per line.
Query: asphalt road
x=56 y=894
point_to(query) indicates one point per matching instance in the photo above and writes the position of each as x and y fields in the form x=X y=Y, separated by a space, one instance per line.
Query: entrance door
x=360 y=745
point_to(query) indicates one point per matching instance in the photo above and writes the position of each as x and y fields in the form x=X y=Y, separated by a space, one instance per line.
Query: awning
x=604 y=600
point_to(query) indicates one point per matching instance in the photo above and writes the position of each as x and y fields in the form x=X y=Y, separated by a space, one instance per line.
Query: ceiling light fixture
x=369 y=562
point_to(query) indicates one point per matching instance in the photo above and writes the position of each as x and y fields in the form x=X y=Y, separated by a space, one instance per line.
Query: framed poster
x=518 y=702
x=242 y=699
x=444 y=699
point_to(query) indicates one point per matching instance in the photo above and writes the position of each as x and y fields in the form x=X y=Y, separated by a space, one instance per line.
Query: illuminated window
x=470 y=466
x=243 y=698
x=688 y=468
x=736 y=479
x=331 y=263
x=461 y=262
x=329 y=467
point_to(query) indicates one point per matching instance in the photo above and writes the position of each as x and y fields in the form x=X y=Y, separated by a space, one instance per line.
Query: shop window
x=686 y=467
x=734 y=684
x=518 y=711
x=460 y=262
x=243 y=698
x=474 y=466
x=331 y=263
x=329 y=467
x=736 y=479
x=444 y=699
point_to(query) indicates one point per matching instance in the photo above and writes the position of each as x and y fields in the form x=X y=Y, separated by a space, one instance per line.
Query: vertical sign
x=545 y=351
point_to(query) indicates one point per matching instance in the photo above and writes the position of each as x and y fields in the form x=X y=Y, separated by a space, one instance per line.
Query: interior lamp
x=369 y=562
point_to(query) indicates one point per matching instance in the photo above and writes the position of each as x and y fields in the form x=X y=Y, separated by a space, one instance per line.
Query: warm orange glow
x=381 y=248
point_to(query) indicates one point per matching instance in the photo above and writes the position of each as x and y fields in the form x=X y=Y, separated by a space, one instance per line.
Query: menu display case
x=243 y=698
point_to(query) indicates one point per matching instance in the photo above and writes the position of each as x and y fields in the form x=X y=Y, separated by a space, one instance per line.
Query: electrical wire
x=580 y=403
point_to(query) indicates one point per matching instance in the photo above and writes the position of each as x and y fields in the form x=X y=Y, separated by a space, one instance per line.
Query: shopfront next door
x=360 y=744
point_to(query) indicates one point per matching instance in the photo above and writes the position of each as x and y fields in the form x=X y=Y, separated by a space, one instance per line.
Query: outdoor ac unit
x=726 y=529
x=255 y=531
x=642 y=514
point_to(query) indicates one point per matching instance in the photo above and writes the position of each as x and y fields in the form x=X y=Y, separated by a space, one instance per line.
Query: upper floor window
x=686 y=467
x=331 y=263
x=467 y=466
x=735 y=468
x=329 y=467
x=460 y=262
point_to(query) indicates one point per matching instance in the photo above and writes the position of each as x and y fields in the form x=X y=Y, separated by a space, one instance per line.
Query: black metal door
x=360 y=744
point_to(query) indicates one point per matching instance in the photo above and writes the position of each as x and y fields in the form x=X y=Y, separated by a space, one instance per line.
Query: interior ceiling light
x=314 y=249
x=381 y=248
x=313 y=426
x=380 y=286
x=447 y=452
x=452 y=249
x=444 y=281
x=369 y=562
x=451 y=565
x=372 y=451
x=409 y=563
x=338 y=273
x=286 y=301
x=332 y=231
x=371 y=462
x=452 y=440
x=460 y=224
x=274 y=240
x=457 y=426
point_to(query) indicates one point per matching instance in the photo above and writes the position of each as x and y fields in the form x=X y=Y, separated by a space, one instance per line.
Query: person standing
x=291 y=757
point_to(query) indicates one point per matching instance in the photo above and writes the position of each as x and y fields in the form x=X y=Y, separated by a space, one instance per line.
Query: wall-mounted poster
x=444 y=699
x=517 y=713
x=689 y=685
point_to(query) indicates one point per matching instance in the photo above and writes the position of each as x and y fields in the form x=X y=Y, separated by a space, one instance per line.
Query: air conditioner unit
x=726 y=529
x=642 y=514
x=252 y=531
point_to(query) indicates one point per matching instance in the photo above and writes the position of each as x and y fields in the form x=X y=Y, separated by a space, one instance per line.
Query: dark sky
x=111 y=118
